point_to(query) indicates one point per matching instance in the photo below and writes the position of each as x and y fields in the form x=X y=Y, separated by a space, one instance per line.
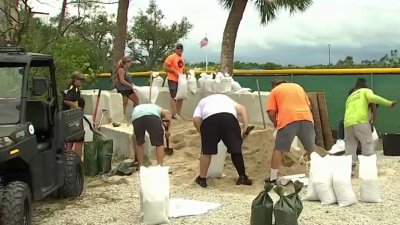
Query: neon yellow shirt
x=357 y=106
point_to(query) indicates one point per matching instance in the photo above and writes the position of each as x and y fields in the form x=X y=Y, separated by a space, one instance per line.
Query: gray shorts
x=359 y=133
x=303 y=129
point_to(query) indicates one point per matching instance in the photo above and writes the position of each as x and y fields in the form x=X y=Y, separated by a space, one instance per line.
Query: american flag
x=203 y=42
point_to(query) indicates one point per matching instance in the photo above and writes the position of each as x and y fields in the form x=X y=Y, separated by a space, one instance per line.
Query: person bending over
x=148 y=117
x=357 y=126
x=289 y=108
x=215 y=118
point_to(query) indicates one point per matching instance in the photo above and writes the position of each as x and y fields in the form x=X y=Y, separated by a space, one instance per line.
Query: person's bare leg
x=160 y=155
x=69 y=146
x=173 y=106
x=179 y=106
x=140 y=154
x=134 y=99
x=205 y=161
x=124 y=102
x=78 y=148
x=275 y=164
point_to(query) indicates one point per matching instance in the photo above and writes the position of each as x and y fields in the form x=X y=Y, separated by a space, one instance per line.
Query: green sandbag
x=90 y=159
x=104 y=152
x=285 y=211
x=262 y=207
x=295 y=198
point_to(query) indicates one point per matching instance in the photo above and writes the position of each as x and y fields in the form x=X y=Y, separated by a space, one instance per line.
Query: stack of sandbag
x=330 y=180
x=192 y=82
x=154 y=194
x=285 y=211
x=220 y=83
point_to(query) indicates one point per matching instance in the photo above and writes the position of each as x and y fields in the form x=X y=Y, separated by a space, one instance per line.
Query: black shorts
x=153 y=125
x=125 y=92
x=173 y=88
x=220 y=126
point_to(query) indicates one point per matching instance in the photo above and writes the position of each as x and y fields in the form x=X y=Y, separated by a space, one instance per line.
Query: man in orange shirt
x=289 y=109
x=175 y=65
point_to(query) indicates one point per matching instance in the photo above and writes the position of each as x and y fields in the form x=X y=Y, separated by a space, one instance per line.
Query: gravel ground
x=115 y=201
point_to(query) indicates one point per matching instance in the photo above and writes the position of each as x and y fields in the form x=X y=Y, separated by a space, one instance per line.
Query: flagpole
x=206 y=56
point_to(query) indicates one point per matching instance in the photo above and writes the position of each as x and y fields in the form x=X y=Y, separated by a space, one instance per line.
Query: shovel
x=167 y=150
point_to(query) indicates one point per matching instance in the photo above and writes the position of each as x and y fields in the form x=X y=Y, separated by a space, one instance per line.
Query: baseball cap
x=179 y=45
x=78 y=75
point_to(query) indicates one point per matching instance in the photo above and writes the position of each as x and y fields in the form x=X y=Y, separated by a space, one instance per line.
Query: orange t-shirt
x=177 y=63
x=291 y=104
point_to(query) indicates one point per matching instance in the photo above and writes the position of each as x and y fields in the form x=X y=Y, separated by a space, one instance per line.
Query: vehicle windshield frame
x=6 y=98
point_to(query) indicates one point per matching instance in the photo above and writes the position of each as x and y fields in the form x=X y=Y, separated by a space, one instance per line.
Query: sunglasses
x=179 y=48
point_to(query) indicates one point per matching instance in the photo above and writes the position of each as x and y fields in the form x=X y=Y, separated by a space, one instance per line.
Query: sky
x=364 y=29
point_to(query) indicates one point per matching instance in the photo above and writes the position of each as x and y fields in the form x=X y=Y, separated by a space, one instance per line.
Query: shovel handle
x=166 y=124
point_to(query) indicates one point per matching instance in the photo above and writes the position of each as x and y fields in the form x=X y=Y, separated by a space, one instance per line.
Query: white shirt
x=213 y=104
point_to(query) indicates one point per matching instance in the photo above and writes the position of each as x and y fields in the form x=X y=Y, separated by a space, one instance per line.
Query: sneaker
x=201 y=181
x=244 y=180
x=176 y=116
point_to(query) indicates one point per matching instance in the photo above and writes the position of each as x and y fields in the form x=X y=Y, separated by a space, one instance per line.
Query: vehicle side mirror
x=39 y=86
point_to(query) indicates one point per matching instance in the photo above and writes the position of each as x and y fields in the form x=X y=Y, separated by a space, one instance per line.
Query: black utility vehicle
x=33 y=133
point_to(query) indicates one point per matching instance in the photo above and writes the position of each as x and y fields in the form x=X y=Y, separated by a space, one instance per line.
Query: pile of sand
x=257 y=151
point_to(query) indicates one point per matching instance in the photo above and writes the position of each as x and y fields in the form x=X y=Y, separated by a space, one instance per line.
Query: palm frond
x=227 y=4
x=268 y=9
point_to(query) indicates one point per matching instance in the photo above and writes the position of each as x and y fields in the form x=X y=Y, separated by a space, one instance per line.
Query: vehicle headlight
x=4 y=141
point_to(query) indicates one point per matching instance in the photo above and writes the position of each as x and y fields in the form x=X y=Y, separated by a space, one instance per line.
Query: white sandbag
x=157 y=80
x=341 y=178
x=337 y=147
x=375 y=136
x=154 y=190
x=209 y=84
x=143 y=94
x=226 y=84
x=182 y=92
x=217 y=162
x=192 y=84
x=311 y=192
x=202 y=81
x=236 y=86
x=322 y=180
x=369 y=183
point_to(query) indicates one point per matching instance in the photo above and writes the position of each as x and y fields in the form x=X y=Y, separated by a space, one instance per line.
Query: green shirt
x=357 y=106
x=146 y=110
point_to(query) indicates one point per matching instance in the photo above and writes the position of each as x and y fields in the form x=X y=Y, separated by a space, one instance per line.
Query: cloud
x=364 y=29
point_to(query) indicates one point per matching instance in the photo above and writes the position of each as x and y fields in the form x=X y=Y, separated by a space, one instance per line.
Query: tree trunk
x=120 y=34
x=62 y=17
x=229 y=38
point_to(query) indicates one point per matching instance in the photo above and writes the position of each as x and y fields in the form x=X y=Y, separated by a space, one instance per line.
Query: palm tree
x=121 y=32
x=268 y=11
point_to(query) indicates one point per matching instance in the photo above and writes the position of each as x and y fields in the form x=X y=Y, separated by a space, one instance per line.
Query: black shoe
x=201 y=181
x=244 y=180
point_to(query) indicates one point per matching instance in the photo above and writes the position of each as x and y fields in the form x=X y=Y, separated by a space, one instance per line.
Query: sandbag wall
x=322 y=126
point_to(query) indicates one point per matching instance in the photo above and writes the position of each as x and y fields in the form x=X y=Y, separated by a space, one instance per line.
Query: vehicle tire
x=74 y=178
x=16 y=204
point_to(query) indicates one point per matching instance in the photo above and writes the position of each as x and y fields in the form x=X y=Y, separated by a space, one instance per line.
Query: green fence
x=336 y=84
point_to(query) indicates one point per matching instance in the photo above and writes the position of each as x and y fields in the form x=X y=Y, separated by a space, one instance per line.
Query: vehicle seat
x=37 y=112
